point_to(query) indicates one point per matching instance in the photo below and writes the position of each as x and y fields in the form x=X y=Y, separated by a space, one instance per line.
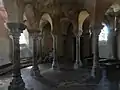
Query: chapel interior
x=59 y=45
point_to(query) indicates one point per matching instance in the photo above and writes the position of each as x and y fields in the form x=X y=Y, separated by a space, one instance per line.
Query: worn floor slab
x=60 y=80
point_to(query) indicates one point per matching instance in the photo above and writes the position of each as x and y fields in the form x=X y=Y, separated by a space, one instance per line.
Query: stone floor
x=60 y=80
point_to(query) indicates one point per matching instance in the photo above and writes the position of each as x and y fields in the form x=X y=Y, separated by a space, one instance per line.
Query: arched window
x=23 y=39
x=104 y=33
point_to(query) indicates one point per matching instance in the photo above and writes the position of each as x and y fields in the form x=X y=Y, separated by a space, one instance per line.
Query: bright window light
x=23 y=39
x=104 y=34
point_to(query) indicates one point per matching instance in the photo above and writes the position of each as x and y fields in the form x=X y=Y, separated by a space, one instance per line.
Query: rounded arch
x=113 y=7
x=65 y=22
x=86 y=25
x=110 y=16
x=47 y=38
x=46 y=18
x=29 y=17
x=14 y=11
x=81 y=18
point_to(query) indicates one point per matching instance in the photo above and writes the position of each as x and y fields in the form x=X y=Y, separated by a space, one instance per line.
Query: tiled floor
x=60 y=80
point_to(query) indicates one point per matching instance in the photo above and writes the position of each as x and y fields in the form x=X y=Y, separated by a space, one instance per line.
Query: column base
x=55 y=65
x=78 y=65
x=35 y=72
x=17 y=84
x=96 y=73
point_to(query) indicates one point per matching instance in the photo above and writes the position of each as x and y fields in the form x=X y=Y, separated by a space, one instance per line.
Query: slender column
x=40 y=47
x=35 y=69
x=17 y=82
x=114 y=45
x=114 y=39
x=90 y=45
x=78 y=62
x=95 y=68
x=55 y=62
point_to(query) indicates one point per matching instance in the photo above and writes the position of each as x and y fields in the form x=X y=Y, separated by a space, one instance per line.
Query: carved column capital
x=78 y=33
x=17 y=82
x=97 y=29
x=35 y=34
x=16 y=28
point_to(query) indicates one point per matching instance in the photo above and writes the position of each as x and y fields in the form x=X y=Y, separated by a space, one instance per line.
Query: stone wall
x=118 y=45
x=4 y=39
x=4 y=51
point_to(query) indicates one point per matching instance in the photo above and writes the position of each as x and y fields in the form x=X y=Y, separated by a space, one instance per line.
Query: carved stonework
x=78 y=62
x=95 y=68
x=35 y=72
x=17 y=82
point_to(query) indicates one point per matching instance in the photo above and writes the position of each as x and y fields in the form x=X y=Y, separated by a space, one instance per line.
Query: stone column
x=40 y=47
x=35 y=69
x=78 y=62
x=17 y=82
x=95 y=68
x=55 y=62
x=114 y=45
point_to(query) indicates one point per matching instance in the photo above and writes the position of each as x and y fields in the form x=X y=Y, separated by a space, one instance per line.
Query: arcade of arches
x=71 y=35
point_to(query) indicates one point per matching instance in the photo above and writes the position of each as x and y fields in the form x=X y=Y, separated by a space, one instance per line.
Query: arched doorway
x=46 y=28
x=86 y=39
x=81 y=53
x=47 y=41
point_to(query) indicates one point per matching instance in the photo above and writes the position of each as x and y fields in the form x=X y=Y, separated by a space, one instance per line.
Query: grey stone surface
x=60 y=80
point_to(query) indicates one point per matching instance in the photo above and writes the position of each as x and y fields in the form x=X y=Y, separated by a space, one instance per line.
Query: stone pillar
x=112 y=42
x=35 y=69
x=114 y=45
x=17 y=82
x=78 y=62
x=96 y=69
x=40 y=47
x=55 y=62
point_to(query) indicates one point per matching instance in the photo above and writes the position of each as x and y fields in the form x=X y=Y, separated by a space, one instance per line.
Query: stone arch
x=65 y=22
x=114 y=8
x=112 y=21
x=44 y=20
x=115 y=4
x=46 y=29
x=83 y=29
x=86 y=25
x=13 y=10
x=29 y=17
x=26 y=40
x=86 y=40
x=81 y=18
